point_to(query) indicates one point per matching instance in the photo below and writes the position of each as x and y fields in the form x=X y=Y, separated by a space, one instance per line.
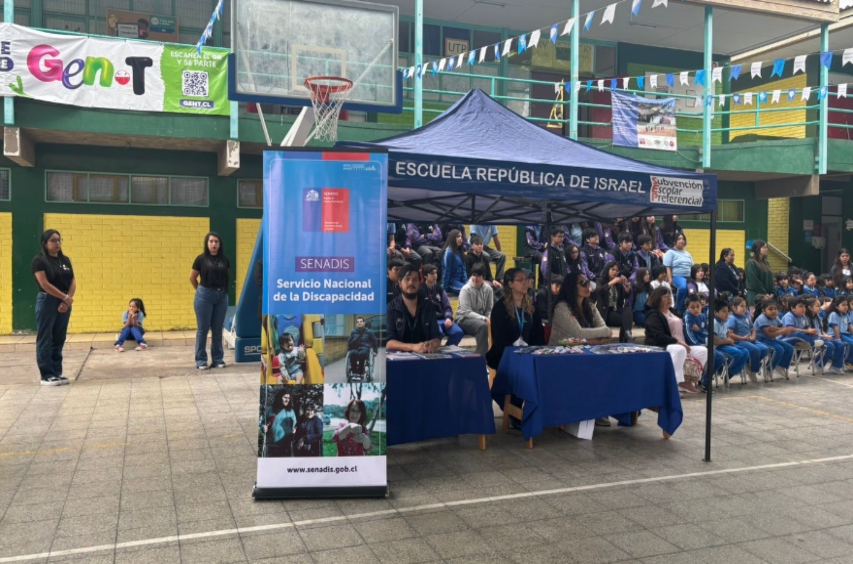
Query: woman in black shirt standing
x=211 y=300
x=57 y=286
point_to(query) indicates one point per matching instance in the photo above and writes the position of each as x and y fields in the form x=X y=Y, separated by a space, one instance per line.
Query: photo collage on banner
x=321 y=417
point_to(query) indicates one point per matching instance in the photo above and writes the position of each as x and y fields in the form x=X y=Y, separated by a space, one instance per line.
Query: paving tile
x=161 y=554
x=460 y=543
x=821 y=544
x=330 y=537
x=220 y=550
x=592 y=551
x=350 y=555
x=408 y=551
x=641 y=544
x=384 y=530
x=778 y=551
x=278 y=543
x=436 y=523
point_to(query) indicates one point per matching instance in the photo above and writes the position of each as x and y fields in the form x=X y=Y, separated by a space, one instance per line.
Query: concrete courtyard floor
x=144 y=459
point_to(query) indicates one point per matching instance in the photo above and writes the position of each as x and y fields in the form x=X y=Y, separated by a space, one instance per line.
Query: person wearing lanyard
x=514 y=320
x=412 y=325
x=57 y=286
x=211 y=300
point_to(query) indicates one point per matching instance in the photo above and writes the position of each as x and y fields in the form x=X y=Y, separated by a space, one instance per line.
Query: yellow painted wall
x=5 y=273
x=508 y=234
x=796 y=115
x=778 y=228
x=119 y=257
x=247 y=234
x=699 y=240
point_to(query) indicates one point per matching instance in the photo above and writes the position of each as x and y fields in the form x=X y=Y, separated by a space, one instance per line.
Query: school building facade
x=134 y=193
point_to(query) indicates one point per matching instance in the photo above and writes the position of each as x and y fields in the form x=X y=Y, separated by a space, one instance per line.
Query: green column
x=419 y=60
x=9 y=103
x=573 y=105
x=823 y=148
x=706 y=109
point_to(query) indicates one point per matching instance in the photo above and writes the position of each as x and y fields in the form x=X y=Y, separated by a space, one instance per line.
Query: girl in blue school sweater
x=132 y=320
x=743 y=334
x=768 y=327
x=834 y=349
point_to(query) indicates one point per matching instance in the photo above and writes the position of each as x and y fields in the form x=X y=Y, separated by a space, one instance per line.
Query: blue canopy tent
x=481 y=163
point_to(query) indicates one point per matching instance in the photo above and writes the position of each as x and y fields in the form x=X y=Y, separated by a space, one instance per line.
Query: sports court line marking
x=836 y=382
x=826 y=414
x=404 y=510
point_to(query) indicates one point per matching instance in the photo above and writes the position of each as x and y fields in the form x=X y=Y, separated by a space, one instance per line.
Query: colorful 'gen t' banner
x=115 y=74
x=321 y=419
x=643 y=122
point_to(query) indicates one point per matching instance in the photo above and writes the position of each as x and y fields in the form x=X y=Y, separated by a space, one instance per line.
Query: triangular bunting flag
x=635 y=7
x=534 y=39
x=799 y=64
x=482 y=55
x=762 y=96
x=588 y=21
x=722 y=99
x=557 y=87
x=626 y=81
x=522 y=44
x=609 y=12
x=736 y=99
x=641 y=83
x=660 y=3
x=407 y=73
x=807 y=92
x=588 y=85
x=653 y=81
x=554 y=32
x=709 y=101
x=569 y=26
x=776 y=95
x=778 y=68
x=716 y=74
x=700 y=77
x=613 y=84
x=821 y=92
x=507 y=47
x=826 y=59
x=842 y=91
x=735 y=73
x=451 y=62
x=434 y=68
x=460 y=60
x=670 y=80
x=847 y=56
x=747 y=99
x=576 y=86
x=497 y=52
x=419 y=70
x=682 y=78
x=471 y=55
x=792 y=93
x=755 y=70
x=441 y=64
x=600 y=85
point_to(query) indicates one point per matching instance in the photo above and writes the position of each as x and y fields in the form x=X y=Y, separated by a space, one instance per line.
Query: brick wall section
x=698 y=243
x=117 y=258
x=778 y=230
x=247 y=234
x=796 y=115
x=335 y=348
x=5 y=273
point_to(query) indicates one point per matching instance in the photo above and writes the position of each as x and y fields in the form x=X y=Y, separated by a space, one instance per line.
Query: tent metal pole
x=547 y=283
x=419 y=59
x=708 y=395
x=824 y=103
x=573 y=100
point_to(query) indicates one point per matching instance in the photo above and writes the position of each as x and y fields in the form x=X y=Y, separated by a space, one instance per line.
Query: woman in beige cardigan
x=575 y=317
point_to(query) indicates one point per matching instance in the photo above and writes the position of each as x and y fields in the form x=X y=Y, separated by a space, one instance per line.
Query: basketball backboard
x=279 y=43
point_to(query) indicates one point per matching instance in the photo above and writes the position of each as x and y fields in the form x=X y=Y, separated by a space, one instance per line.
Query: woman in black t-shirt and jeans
x=57 y=287
x=211 y=300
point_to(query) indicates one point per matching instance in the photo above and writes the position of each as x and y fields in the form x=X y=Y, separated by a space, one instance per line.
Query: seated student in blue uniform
x=826 y=285
x=725 y=344
x=768 y=329
x=695 y=322
x=796 y=318
x=837 y=324
x=742 y=333
x=834 y=349
x=810 y=284
x=782 y=285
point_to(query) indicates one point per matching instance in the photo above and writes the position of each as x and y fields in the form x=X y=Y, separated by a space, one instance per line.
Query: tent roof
x=480 y=162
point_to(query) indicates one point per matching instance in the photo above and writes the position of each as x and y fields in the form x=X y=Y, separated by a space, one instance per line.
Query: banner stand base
x=319 y=493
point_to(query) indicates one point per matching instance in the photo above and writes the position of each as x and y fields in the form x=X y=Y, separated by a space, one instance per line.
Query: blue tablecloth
x=568 y=388
x=433 y=399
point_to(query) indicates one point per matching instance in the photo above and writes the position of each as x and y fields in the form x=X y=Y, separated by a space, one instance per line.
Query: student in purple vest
x=399 y=246
x=625 y=257
x=593 y=256
x=426 y=248
x=554 y=258
x=608 y=233
x=646 y=256
x=533 y=245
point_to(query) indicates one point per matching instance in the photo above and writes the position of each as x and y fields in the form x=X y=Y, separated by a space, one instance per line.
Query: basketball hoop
x=328 y=94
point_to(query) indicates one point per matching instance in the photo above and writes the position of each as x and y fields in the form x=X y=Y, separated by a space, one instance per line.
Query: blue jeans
x=639 y=318
x=134 y=333
x=210 y=307
x=757 y=352
x=680 y=283
x=52 y=328
x=784 y=352
x=454 y=334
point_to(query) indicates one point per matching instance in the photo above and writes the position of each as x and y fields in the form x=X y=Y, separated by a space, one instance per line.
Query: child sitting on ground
x=132 y=320
x=290 y=360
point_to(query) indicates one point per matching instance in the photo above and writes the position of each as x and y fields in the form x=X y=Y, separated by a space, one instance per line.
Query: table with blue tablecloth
x=438 y=398
x=567 y=388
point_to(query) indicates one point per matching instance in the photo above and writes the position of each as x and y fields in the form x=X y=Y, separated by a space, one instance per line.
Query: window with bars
x=250 y=194
x=83 y=187
x=731 y=211
x=5 y=184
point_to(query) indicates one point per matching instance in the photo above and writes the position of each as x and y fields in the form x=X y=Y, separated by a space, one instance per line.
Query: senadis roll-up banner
x=115 y=74
x=321 y=416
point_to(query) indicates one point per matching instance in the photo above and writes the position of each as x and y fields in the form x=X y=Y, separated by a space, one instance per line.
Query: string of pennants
x=523 y=43
x=208 y=29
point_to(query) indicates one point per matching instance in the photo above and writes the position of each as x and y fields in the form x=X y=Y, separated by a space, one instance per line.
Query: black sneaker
x=51 y=381
x=63 y=380
x=220 y=365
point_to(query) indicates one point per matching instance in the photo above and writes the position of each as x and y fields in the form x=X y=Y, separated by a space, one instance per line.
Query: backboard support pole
x=297 y=135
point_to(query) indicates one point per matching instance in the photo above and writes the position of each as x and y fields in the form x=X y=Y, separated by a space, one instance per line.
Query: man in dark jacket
x=554 y=257
x=362 y=343
x=392 y=285
x=477 y=255
x=411 y=317
x=443 y=312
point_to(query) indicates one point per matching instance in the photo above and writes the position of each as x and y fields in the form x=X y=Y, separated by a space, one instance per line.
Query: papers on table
x=441 y=353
